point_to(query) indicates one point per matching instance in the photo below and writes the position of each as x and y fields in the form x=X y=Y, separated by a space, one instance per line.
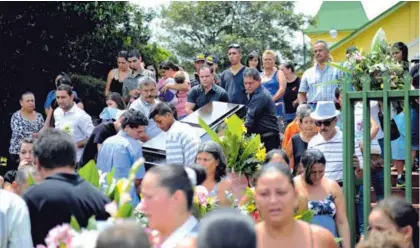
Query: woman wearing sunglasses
x=396 y=214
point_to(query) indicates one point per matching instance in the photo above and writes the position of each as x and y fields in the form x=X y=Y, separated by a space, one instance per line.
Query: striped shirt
x=316 y=83
x=181 y=144
x=15 y=225
x=333 y=152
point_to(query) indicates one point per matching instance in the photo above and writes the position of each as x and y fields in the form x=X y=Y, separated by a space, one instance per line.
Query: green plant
x=244 y=152
x=375 y=67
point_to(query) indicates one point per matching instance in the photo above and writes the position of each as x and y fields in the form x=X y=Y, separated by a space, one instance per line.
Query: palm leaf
x=234 y=125
x=92 y=223
x=377 y=41
x=340 y=67
x=125 y=210
x=251 y=148
x=90 y=173
x=75 y=224
x=210 y=132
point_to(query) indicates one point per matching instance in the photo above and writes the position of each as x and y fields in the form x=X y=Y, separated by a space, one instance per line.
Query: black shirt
x=98 y=136
x=198 y=96
x=194 y=80
x=57 y=198
x=291 y=95
x=234 y=86
x=261 y=113
x=299 y=147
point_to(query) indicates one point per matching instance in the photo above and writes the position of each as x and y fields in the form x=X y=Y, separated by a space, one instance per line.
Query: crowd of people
x=299 y=122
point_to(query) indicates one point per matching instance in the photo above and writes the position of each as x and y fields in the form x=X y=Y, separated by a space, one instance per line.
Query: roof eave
x=368 y=24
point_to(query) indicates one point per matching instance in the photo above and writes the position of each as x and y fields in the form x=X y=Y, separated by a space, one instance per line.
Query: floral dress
x=23 y=128
x=324 y=213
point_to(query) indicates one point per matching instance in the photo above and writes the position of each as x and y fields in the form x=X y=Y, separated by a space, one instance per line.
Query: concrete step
x=399 y=192
x=414 y=178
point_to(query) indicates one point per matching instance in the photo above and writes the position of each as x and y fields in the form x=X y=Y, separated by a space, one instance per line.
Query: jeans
x=377 y=178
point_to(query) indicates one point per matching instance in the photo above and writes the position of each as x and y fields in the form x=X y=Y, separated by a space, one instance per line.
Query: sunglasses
x=326 y=123
x=236 y=46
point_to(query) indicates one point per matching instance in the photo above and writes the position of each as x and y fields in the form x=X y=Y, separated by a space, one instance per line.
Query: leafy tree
x=193 y=27
x=40 y=39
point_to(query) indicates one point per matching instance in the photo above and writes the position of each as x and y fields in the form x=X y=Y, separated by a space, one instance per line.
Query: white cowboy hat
x=324 y=110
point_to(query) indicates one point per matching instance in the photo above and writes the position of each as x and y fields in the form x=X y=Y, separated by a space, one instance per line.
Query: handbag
x=395 y=134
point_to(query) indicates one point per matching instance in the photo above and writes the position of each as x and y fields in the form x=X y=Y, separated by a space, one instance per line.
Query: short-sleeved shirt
x=120 y=152
x=23 y=128
x=318 y=84
x=132 y=81
x=234 y=86
x=99 y=134
x=140 y=105
x=57 y=198
x=199 y=97
x=194 y=80
x=181 y=144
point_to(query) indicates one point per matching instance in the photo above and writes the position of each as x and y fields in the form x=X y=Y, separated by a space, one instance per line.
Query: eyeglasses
x=325 y=122
x=236 y=46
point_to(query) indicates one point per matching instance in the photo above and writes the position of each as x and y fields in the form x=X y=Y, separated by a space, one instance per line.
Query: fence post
x=387 y=136
x=366 y=151
x=348 y=148
x=407 y=118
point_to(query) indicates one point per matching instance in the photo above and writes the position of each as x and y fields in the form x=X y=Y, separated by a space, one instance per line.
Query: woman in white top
x=167 y=197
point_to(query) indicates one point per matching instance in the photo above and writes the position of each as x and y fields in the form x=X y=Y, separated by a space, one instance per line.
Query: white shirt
x=181 y=144
x=179 y=234
x=15 y=225
x=358 y=126
x=77 y=122
x=333 y=152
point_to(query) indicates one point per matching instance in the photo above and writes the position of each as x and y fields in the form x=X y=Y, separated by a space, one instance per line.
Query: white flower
x=111 y=208
x=85 y=239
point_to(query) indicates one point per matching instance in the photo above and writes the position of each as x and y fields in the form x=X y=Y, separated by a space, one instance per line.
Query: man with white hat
x=329 y=140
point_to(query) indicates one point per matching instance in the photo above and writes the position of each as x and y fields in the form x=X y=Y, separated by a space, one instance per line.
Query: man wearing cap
x=329 y=140
x=130 y=84
x=199 y=60
x=206 y=92
x=211 y=60
x=320 y=81
x=232 y=79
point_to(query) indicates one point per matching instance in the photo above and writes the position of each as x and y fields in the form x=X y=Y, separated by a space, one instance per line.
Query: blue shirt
x=234 y=86
x=139 y=104
x=121 y=151
x=318 y=83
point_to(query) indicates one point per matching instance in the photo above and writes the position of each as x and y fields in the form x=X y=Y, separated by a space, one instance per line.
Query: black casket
x=212 y=113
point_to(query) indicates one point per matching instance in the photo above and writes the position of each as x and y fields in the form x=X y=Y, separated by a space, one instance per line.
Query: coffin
x=212 y=113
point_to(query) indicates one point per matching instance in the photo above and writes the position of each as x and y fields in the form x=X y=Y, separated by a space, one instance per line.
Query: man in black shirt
x=101 y=132
x=206 y=92
x=261 y=110
x=62 y=193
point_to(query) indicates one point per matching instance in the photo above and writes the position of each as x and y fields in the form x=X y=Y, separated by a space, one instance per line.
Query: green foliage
x=90 y=173
x=92 y=223
x=75 y=224
x=207 y=26
x=244 y=152
x=376 y=67
x=31 y=180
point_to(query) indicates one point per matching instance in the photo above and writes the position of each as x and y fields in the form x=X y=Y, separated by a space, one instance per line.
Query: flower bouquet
x=202 y=202
x=375 y=67
x=245 y=153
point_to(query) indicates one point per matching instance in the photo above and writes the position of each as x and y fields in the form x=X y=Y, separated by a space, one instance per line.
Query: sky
x=372 y=8
x=309 y=7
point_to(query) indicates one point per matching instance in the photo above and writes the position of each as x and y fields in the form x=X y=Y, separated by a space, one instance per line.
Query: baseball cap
x=200 y=57
x=211 y=59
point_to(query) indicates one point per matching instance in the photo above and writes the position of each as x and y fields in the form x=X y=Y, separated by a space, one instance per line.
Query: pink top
x=181 y=95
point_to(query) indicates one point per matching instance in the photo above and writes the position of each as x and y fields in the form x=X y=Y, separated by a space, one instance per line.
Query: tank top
x=299 y=147
x=290 y=95
x=116 y=85
x=272 y=86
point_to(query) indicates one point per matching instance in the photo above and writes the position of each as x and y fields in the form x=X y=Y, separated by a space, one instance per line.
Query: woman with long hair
x=277 y=200
x=210 y=155
x=325 y=197
x=116 y=76
x=253 y=60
